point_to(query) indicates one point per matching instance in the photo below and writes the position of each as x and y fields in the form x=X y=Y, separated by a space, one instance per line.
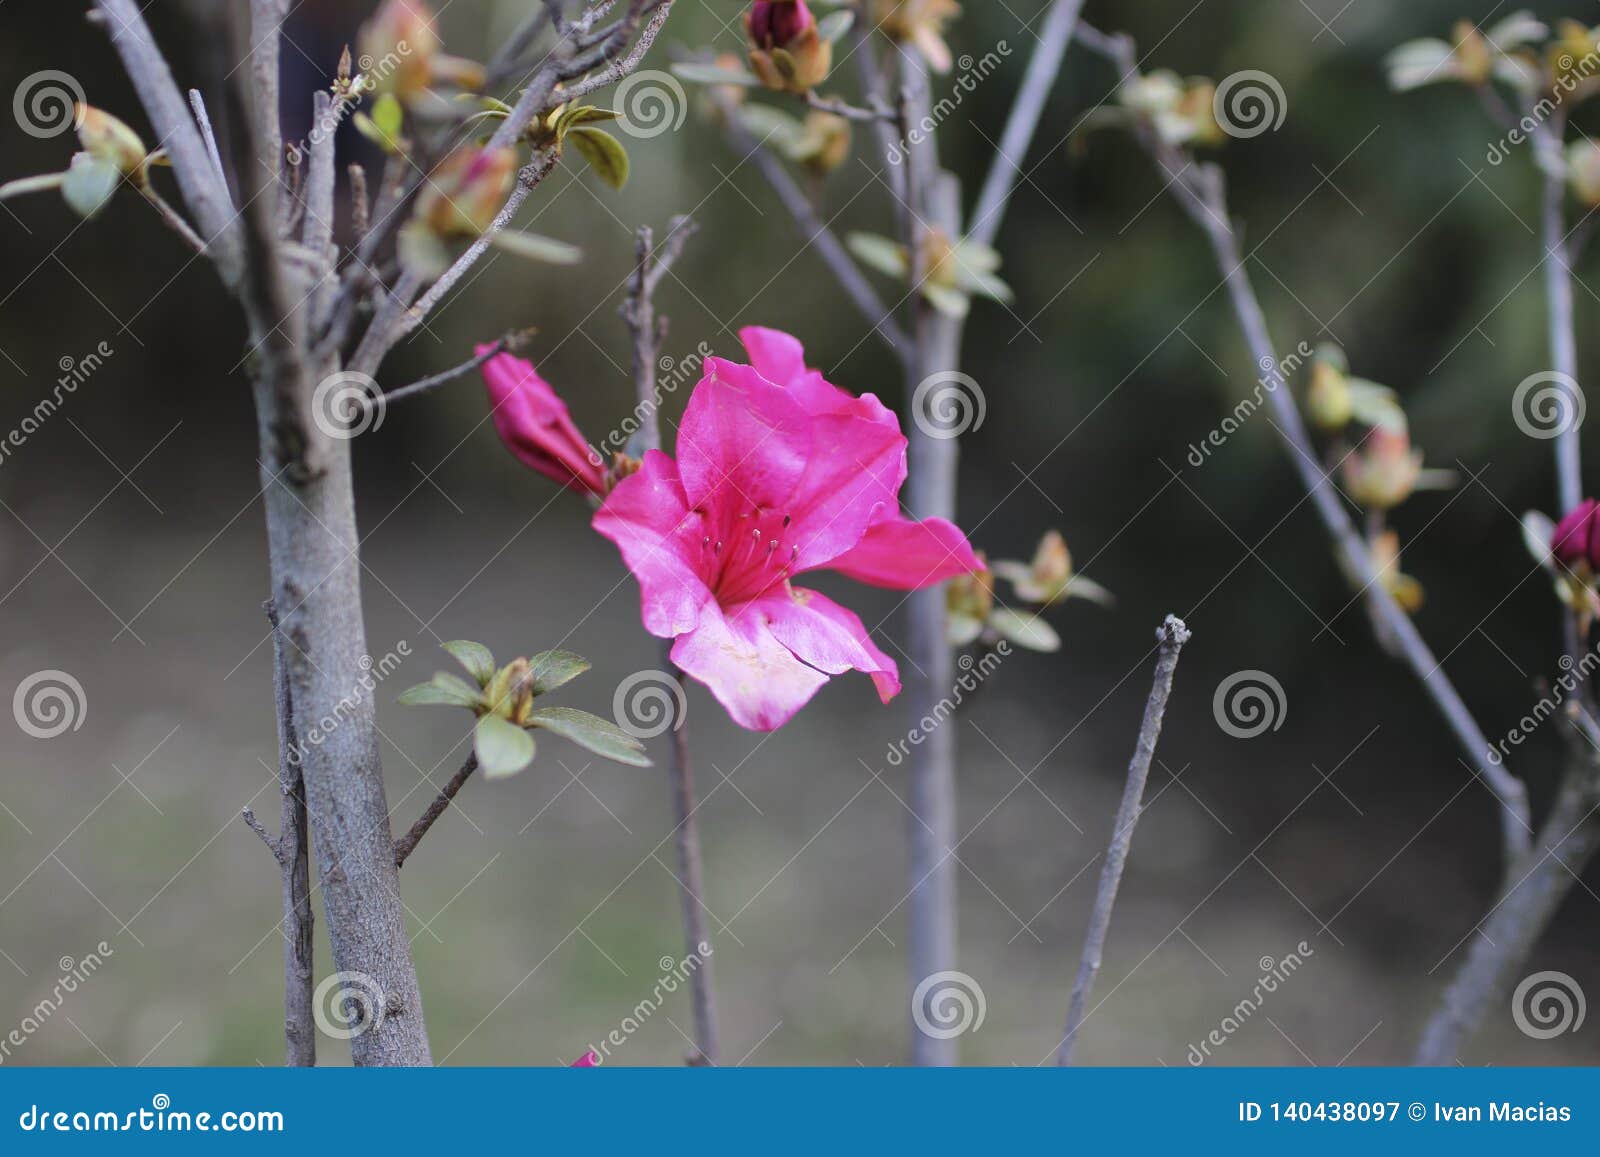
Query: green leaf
x=950 y=302
x=600 y=736
x=962 y=629
x=1028 y=631
x=475 y=657
x=772 y=125
x=984 y=284
x=551 y=669
x=979 y=256
x=712 y=74
x=536 y=247
x=581 y=114
x=879 y=253
x=605 y=154
x=833 y=26
x=89 y=184
x=443 y=691
x=503 y=748
x=388 y=117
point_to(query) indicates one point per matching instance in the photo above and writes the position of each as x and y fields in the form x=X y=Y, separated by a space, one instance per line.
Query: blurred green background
x=132 y=556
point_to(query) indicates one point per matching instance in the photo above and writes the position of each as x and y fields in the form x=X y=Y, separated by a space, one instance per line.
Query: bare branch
x=406 y=844
x=1170 y=638
x=816 y=233
x=1043 y=69
x=197 y=103
x=509 y=342
x=203 y=192
x=648 y=331
x=1200 y=191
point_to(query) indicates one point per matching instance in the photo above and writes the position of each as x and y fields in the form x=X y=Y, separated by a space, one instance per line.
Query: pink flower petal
x=649 y=519
x=904 y=555
x=854 y=475
x=828 y=637
x=755 y=677
x=743 y=442
x=781 y=359
x=587 y=1061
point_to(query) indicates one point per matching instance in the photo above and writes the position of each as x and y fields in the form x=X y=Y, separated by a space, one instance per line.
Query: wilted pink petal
x=535 y=425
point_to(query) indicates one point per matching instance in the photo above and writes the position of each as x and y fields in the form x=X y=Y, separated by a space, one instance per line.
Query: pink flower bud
x=1576 y=538
x=535 y=425
x=778 y=23
x=466 y=190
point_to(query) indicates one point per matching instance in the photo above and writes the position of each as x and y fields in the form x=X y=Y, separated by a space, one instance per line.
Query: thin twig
x=292 y=851
x=648 y=331
x=816 y=233
x=1558 y=289
x=171 y=217
x=203 y=119
x=1043 y=69
x=840 y=107
x=1201 y=193
x=1170 y=638
x=494 y=349
x=406 y=844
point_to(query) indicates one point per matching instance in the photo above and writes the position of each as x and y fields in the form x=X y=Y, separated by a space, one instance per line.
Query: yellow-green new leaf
x=475 y=657
x=536 y=247
x=443 y=691
x=502 y=747
x=604 y=152
x=551 y=669
x=879 y=253
x=89 y=184
x=1028 y=631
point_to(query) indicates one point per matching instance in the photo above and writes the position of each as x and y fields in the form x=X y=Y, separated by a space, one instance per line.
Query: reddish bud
x=1576 y=539
x=535 y=425
x=778 y=23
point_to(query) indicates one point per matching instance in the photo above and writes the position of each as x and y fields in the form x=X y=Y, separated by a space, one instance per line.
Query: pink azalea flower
x=778 y=473
x=535 y=425
x=587 y=1061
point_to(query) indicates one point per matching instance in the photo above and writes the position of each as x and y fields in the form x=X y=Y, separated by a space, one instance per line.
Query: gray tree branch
x=1170 y=638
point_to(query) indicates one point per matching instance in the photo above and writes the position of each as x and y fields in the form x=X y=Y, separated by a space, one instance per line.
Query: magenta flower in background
x=587 y=1061
x=535 y=425
x=1576 y=538
x=778 y=473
